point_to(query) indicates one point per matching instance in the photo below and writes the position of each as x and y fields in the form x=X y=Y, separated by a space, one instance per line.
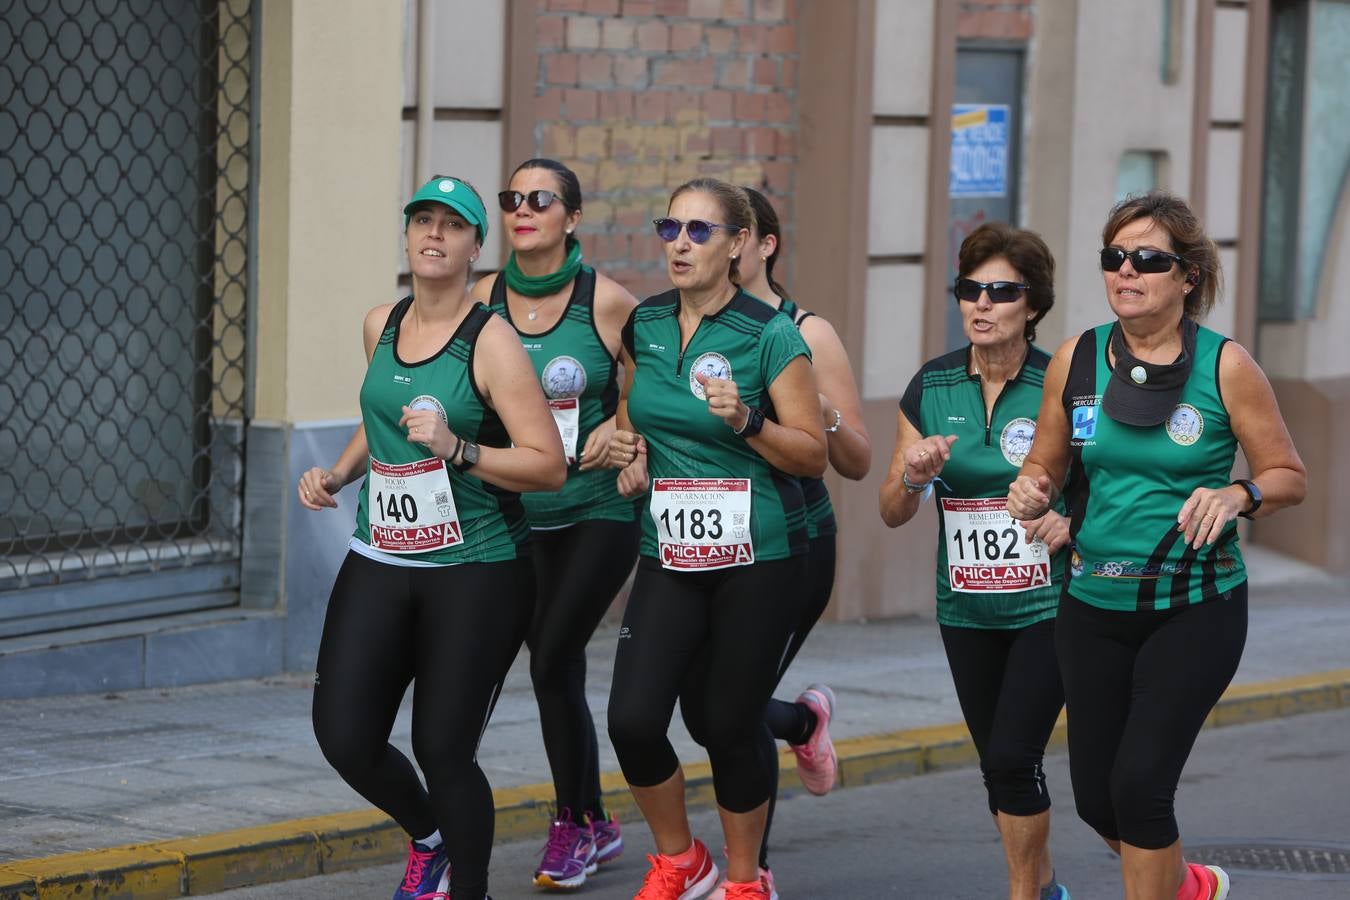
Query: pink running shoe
x=569 y=855
x=608 y=840
x=816 y=760
x=426 y=869
x=1213 y=879
x=765 y=880
x=667 y=881
x=750 y=890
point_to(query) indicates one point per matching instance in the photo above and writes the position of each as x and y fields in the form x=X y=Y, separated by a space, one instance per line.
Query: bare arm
x=482 y=288
x=850 y=448
x=317 y=486
x=1042 y=475
x=506 y=378
x=795 y=444
x=916 y=459
x=613 y=305
x=627 y=450
x=1277 y=469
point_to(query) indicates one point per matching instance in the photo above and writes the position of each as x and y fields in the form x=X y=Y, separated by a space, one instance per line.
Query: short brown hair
x=1189 y=241
x=736 y=209
x=1026 y=252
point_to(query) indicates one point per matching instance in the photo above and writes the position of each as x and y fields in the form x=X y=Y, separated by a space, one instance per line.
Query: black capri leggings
x=579 y=569
x=452 y=631
x=1139 y=686
x=742 y=619
x=1007 y=680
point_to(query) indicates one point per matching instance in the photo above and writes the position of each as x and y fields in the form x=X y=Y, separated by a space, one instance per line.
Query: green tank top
x=1000 y=581
x=579 y=378
x=491 y=519
x=820 y=520
x=1127 y=484
x=748 y=342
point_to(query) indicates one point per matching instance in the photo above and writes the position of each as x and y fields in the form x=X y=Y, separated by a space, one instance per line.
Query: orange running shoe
x=667 y=880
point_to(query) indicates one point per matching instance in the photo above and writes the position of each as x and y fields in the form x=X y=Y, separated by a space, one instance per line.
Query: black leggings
x=785 y=720
x=715 y=640
x=452 y=631
x=1007 y=681
x=578 y=569
x=1139 y=686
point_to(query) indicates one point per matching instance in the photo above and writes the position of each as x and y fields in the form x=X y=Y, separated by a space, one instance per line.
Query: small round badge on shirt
x=1138 y=375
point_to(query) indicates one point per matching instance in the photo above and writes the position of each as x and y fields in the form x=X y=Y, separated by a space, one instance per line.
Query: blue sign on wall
x=980 y=143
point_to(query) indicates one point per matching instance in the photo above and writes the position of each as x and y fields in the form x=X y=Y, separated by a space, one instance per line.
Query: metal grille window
x=124 y=209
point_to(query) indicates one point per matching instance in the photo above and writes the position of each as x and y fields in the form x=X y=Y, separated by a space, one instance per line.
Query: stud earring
x=763 y=259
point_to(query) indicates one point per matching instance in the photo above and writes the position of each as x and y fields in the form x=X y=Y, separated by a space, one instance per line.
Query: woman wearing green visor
x=437 y=588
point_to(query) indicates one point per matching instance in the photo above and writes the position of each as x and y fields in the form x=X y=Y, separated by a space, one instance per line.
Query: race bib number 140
x=412 y=509
x=987 y=552
x=702 y=523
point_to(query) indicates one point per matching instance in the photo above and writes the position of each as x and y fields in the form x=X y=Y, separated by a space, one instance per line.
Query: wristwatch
x=838 y=419
x=1254 y=493
x=754 y=423
x=468 y=458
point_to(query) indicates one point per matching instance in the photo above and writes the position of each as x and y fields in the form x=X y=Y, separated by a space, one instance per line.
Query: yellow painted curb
x=323 y=844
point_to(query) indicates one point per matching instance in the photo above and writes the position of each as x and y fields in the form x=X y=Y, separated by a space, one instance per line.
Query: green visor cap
x=455 y=194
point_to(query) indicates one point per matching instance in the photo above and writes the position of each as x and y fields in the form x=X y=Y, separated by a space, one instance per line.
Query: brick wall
x=638 y=96
x=1005 y=20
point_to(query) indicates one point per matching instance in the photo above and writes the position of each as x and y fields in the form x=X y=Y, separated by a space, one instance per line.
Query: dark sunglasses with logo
x=969 y=289
x=1145 y=262
x=539 y=201
x=668 y=229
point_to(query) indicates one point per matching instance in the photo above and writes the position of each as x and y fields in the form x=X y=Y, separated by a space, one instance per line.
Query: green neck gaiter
x=542 y=285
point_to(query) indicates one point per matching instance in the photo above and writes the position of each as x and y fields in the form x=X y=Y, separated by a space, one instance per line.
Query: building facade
x=199 y=210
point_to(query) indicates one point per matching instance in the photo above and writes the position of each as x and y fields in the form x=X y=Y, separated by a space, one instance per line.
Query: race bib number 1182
x=987 y=552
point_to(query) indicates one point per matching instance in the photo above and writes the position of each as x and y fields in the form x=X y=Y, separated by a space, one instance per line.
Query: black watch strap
x=468 y=457
x=1253 y=492
x=754 y=423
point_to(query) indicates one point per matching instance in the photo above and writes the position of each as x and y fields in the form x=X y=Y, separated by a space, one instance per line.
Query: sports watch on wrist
x=1253 y=492
x=754 y=423
x=468 y=458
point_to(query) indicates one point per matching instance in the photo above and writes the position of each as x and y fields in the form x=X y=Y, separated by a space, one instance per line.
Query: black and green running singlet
x=579 y=379
x=422 y=509
x=713 y=501
x=988 y=576
x=820 y=521
x=1128 y=483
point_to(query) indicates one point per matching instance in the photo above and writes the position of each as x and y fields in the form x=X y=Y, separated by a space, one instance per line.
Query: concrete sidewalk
x=200 y=789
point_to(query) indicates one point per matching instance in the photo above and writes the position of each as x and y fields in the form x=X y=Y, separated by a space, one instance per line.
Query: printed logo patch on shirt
x=426 y=401
x=1085 y=421
x=714 y=365
x=1015 y=441
x=1185 y=425
x=564 y=377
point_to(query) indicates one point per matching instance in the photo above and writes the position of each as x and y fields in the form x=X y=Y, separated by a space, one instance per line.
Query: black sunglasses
x=1145 y=262
x=969 y=289
x=668 y=229
x=539 y=201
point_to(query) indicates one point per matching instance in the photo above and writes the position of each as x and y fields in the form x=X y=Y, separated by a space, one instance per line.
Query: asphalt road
x=1282 y=785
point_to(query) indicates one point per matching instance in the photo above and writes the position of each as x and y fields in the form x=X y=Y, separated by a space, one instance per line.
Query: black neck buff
x=1143 y=393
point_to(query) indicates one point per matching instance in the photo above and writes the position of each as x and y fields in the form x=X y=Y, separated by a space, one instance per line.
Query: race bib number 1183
x=702 y=523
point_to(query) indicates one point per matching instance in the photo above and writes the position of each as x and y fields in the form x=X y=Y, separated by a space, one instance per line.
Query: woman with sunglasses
x=719 y=419
x=437 y=587
x=966 y=422
x=569 y=318
x=1143 y=417
x=804 y=723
